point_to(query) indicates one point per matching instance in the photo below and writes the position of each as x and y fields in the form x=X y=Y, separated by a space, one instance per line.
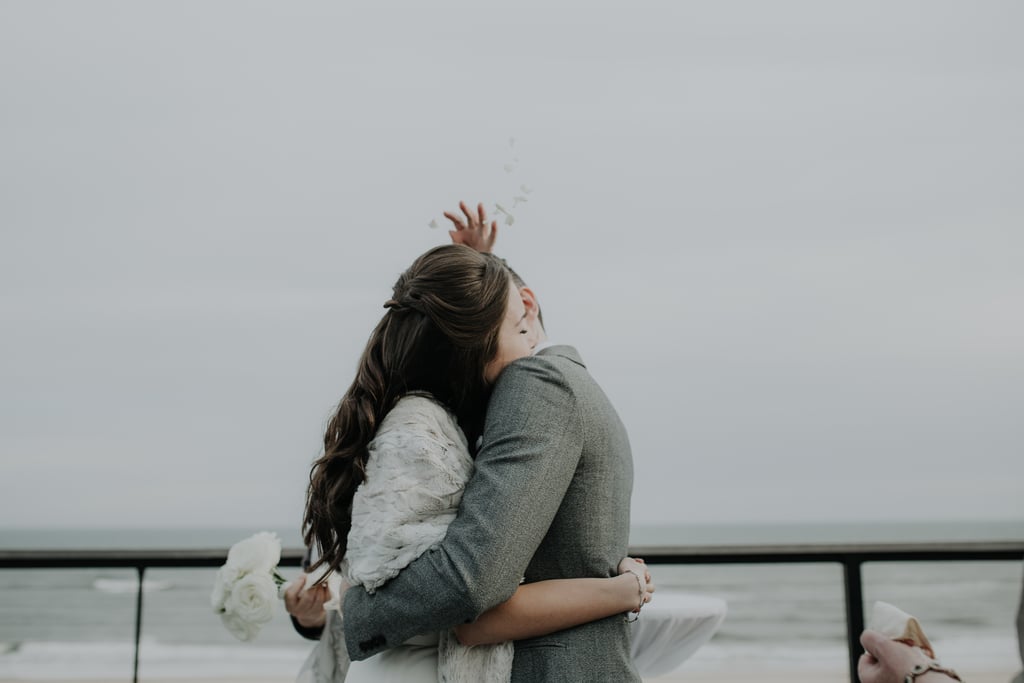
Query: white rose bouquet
x=248 y=586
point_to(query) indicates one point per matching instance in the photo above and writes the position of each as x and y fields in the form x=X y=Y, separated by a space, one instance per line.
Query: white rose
x=259 y=553
x=239 y=628
x=252 y=599
x=226 y=577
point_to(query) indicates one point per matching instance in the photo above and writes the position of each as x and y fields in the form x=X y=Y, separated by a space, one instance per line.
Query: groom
x=549 y=499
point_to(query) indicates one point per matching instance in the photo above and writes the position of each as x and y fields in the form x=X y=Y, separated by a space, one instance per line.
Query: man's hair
x=517 y=281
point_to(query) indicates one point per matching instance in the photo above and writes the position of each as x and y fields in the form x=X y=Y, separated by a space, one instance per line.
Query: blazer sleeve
x=532 y=445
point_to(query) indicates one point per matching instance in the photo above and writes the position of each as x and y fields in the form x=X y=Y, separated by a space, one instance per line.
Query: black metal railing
x=850 y=556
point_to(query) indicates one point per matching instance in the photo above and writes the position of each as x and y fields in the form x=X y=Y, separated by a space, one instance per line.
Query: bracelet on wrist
x=642 y=586
x=921 y=669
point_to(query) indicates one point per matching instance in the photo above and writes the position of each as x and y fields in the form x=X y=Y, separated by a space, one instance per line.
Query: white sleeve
x=416 y=472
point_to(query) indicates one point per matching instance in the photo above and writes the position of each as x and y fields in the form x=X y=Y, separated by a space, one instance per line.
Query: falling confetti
x=511 y=167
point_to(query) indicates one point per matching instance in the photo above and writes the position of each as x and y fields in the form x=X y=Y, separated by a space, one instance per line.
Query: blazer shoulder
x=562 y=351
x=548 y=369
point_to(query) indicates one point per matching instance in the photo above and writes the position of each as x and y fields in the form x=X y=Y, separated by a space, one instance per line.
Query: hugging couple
x=473 y=498
x=473 y=494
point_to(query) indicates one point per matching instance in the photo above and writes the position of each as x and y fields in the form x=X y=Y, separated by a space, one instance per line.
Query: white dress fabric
x=417 y=469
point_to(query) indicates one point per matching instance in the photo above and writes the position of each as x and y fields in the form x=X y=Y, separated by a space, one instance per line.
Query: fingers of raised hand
x=470 y=218
x=476 y=220
x=456 y=220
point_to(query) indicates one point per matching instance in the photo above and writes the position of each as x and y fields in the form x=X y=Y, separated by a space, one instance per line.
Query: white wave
x=119 y=586
x=113 y=660
x=969 y=654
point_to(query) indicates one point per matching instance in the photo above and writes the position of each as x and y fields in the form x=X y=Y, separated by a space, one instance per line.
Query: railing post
x=138 y=623
x=854 y=611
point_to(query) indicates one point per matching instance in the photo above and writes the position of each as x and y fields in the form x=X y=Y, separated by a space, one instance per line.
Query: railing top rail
x=811 y=552
x=846 y=553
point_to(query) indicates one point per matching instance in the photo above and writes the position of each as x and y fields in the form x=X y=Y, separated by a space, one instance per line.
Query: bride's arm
x=544 y=607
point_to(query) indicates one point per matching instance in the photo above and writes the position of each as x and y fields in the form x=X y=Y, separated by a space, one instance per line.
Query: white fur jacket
x=416 y=472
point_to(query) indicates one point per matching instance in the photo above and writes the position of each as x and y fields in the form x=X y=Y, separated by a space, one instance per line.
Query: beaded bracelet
x=920 y=669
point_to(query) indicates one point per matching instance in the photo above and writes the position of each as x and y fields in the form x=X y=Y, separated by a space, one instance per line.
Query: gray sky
x=787 y=238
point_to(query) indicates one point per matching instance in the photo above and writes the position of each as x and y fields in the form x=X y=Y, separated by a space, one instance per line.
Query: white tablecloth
x=671 y=628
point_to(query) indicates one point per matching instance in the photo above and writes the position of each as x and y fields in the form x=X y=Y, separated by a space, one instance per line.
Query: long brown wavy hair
x=440 y=330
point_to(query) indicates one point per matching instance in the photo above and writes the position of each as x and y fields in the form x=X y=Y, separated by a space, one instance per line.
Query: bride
x=397 y=456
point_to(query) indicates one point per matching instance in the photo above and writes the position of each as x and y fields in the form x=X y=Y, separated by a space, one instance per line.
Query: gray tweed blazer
x=549 y=499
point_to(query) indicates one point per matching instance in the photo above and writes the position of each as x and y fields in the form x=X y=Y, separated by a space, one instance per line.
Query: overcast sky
x=787 y=237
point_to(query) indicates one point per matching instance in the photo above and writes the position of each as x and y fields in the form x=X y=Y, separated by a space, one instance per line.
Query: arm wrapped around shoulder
x=531 y=448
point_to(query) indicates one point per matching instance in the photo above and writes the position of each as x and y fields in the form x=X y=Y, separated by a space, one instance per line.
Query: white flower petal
x=252 y=599
x=259 y=553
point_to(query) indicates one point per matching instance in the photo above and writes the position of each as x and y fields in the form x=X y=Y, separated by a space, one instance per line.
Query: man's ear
x=529 y=303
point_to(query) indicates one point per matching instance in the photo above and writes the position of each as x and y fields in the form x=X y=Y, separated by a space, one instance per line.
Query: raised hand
x=474 y=232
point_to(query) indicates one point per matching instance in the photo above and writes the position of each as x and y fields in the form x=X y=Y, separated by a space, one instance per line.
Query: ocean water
x=80 y=623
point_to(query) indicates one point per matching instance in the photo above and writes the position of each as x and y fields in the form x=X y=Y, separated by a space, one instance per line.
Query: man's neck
x=541 y=345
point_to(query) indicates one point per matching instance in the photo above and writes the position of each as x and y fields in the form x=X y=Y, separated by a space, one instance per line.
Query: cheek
x=494 y=368
x=524 y=348
x=509 y=349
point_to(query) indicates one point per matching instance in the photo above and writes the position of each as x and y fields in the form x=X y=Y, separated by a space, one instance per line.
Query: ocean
x=79 y=623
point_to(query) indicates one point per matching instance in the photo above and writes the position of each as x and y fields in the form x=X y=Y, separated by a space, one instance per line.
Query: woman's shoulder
x=420 y=415
x=420 y=400
x=420 y=406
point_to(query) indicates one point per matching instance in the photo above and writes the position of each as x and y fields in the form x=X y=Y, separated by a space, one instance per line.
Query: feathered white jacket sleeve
x=417 y=469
